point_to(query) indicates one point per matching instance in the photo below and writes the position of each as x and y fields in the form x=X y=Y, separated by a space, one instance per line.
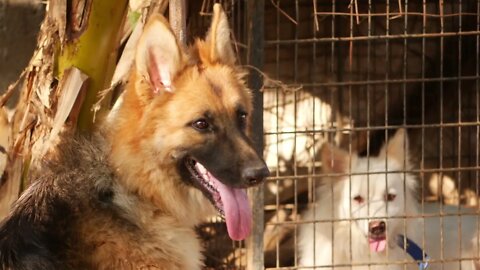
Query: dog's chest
x=392 y=259
x=109 y=244
x=357 y=251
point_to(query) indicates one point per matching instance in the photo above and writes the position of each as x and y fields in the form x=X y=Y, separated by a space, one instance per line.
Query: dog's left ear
x=218 y=39
x=336 y=160
x=397 y=148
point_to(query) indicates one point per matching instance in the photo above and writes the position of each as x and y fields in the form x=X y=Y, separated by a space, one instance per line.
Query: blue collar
x=414 y=251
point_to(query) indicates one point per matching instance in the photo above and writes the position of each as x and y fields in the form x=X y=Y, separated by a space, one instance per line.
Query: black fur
x=40 y=228
x=27 y=240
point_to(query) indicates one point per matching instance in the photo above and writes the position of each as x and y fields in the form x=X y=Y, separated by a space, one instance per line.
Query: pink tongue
x=238 y=214
x=377 y=245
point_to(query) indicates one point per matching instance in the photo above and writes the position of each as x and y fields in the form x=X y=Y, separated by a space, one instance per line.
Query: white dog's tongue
x=377 y=245
x=238 y=214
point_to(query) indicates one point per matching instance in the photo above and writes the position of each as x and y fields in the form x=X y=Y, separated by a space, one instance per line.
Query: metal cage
x=352 y=73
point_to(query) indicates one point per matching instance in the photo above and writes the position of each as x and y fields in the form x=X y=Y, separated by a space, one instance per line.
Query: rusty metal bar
x=255 y=40
x=459 y=129
x=422 y=152
x=400 y=263
x=441 y=215
x=295 y=98
x=477 y=130
x=381 y=127
x=322 y=175
x=277 y=72
x=395 y=15
x=441 y=130
x=376 y=37
x=390 y=81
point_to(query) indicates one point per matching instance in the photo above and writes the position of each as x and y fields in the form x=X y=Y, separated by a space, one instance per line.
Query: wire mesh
x=352 y=74
x=355 y=72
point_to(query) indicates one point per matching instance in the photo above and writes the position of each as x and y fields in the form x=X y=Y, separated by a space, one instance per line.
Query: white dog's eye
x=359 y=199
x=390 y=197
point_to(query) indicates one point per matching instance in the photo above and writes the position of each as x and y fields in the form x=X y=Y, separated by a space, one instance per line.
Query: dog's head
x=190 y=110
x=375 y=192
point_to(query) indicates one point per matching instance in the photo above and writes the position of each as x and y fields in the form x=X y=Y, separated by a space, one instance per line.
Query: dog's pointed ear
x=335 y=160
x=158 y=56
x=218 y=39
x=397 y=148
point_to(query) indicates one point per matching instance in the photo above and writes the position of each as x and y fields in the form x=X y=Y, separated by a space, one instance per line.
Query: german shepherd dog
x=130 y=197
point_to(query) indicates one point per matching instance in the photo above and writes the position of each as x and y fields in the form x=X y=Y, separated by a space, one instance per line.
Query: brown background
x=19 y=24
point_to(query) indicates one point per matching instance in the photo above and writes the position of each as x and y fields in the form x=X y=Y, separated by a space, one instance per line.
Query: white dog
x=366 y=214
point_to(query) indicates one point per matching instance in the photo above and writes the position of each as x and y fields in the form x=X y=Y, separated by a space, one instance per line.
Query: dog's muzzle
x=377 y=235
x=377 y=229
x=255 y=173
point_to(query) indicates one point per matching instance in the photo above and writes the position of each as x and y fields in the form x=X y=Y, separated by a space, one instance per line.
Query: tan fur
x=4 y=139
x=166 y=210
x=161 y=242
x=130 y=196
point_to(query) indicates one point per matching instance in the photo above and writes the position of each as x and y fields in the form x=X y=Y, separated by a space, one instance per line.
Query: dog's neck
x=161 y=191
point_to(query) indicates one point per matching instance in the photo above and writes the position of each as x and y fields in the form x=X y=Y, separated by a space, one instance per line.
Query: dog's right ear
x=335 y=160
x=397 y=148
x=158 y=57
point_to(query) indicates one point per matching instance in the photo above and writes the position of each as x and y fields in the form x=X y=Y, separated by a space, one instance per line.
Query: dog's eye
x=242 y=120
x=359 y=199
x=390 y=197
x=201 y=124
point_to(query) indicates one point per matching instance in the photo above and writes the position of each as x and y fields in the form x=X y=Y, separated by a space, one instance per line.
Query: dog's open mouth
x=377 y=244
x=377 y=236
x=231 y=203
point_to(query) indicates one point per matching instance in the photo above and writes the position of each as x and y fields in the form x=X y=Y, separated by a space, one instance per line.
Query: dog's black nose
x=377 y=228
x=255 y=174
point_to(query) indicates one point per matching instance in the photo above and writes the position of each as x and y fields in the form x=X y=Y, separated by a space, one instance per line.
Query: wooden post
x=255 y=14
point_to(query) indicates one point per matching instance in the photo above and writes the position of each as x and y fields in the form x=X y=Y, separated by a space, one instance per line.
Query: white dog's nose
x=377 y=228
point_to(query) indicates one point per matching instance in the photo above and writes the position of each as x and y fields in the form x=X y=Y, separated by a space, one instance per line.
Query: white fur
x=344 y=241
x=285 y=114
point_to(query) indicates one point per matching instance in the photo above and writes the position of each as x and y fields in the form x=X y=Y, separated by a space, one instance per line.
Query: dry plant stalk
x=52 y=87
x=34 y=95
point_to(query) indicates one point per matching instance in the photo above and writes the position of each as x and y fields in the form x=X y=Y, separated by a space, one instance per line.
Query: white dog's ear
x=218 y=38
x=397 y=148
x=158 y=56
x=335 y=160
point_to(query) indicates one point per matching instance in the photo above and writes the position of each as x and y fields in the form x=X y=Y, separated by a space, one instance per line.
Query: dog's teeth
x=201 y=169
x=205 y=178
